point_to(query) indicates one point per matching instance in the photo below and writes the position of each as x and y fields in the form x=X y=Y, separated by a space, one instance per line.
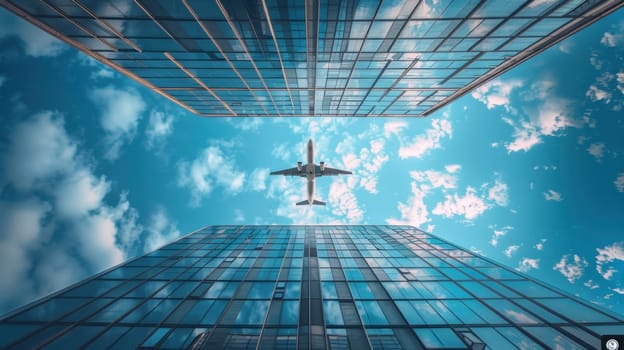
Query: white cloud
x=499 y=233
x=605 y=79
x=591 y=123
x=35 y=41
x=527 y=264
x=282 y=151
x=80 y=193
x=606 y=274
x=596 y=61
x=597 y=94
x=129 y=231
x=98 y=70
x=498 y=193
x=160 y=125
x=553 y=196
x=86 y=60
x=566 y=46
x=573 y=269
x=435 y=178
x=21 y=224
x=377 y=146
x=76 y=236
x=610 y=40
x=470 y=205
x=550 y=116
x=102 y=73
x=423 y=143
x=366 y=162
x=97 y=234
x=258 y=178
x=315 y=128
x=608 y=255
x=369 y=184
x=414 y=212
x=618 y=290
x=620 y=81
x=159 y=231
x=39 y=149
x=346 y=145
x=591 y=284
x=279 y=186
x=596 y=150
x=394 y=128
x=121 y=110
x=452 y=168
x=287 y=192
x=540 y=245
x=511 y=250
x=496 y=93
x=246 y=123
x=545 y=167
x=209 y=169
x=239 y=216
x=540 y=90
x=345 y=203
x=525 y=134
x=619 y=182
x=371 y=160
x=351 y=161
x=56 y=269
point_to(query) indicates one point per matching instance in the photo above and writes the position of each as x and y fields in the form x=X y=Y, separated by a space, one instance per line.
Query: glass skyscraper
x=312 y=57
x=309 y=287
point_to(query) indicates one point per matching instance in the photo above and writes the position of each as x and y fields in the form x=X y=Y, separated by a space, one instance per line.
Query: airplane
x=311 y=171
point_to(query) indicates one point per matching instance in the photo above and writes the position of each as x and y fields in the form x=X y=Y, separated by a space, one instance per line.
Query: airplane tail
x=306 y=202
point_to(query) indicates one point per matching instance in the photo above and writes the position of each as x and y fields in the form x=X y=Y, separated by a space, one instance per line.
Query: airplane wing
x=327 y=171
x=289 y=172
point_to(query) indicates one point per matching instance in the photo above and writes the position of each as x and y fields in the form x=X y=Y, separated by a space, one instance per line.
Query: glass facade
x=314 y=57
x=309 y=287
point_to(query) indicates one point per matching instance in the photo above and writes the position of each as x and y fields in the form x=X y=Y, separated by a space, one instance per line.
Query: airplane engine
x=322 y=166
x=299 y=165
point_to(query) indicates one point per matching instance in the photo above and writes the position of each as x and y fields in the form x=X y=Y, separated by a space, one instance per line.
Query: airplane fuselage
x=310 y=172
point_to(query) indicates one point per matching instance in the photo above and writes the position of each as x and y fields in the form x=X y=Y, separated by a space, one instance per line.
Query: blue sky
x=527 y=170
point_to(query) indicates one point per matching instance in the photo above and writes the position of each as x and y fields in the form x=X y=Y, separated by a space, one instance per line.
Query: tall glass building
x=312 y=57
x=309 y=287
